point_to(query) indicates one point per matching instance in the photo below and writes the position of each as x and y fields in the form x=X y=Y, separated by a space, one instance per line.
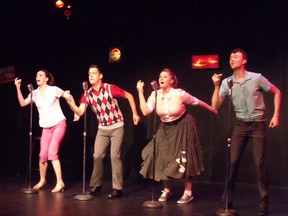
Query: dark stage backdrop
x=152 y=35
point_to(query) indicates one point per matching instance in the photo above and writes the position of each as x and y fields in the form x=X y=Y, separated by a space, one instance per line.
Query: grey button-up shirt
x=247 y=95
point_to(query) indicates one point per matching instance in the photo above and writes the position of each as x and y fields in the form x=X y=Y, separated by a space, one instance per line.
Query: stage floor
x=206 y=200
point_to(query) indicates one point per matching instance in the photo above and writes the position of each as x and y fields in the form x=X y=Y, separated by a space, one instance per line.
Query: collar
x=95 y=90
x=168 y=95
x=247 y=76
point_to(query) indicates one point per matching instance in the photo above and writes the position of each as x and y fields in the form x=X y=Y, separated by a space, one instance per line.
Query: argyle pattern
x=105 y=106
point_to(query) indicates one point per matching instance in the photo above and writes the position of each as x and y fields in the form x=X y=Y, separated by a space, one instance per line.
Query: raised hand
x=17 y=82
x=139 y=86
x=216 y=78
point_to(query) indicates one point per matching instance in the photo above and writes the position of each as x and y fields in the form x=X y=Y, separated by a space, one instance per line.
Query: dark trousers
x=255 y=132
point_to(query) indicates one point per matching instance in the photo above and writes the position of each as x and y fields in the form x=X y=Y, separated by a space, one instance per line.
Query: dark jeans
x=243 y=132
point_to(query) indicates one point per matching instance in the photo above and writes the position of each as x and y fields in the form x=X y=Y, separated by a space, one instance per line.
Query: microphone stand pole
x=30 y=190
x=227 y=211
x=84 y=196
x=152 y=203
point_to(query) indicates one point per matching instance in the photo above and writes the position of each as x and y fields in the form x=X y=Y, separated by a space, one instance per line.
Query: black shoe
x=115 y=194
x=263 y=212
x=95 y=191
x=223 y=204
x=263 y=206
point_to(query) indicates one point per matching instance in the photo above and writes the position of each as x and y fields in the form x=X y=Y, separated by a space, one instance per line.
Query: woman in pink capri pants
x=51 y=120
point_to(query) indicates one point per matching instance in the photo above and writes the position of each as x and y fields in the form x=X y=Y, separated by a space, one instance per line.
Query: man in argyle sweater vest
x=101 y=98
x=104 y=105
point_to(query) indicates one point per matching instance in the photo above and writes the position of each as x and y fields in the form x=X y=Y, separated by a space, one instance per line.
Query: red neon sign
x=205 y=61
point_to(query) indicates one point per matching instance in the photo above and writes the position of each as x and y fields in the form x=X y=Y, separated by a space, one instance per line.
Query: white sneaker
x=185 y=199
x=165 y=196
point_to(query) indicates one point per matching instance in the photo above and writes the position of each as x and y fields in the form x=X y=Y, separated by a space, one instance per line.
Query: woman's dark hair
x=174 y=78
x=49 y=76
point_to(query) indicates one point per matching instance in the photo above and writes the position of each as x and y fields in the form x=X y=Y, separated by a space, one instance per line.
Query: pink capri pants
x=51 y=140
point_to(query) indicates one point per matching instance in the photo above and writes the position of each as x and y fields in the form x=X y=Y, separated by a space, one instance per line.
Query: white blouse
x=48 y=105
x=171 y=106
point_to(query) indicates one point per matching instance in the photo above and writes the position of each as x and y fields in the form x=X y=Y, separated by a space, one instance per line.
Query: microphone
x=30 y=87
x=85 y=86
x=154 y=85
x=230 y=83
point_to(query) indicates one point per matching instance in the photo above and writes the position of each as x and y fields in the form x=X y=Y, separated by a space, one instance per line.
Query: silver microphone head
x=230 y=83
x=85 y=85
x=154 y=85
x=30 y=87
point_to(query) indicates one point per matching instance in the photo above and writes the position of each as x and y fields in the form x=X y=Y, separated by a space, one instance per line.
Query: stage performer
x=247 y=90
x=51 y=120
x=178 y=154
x=102 y=99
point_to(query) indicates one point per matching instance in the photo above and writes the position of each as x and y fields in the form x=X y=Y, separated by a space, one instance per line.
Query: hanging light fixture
x=67 y=12
x=59 y=4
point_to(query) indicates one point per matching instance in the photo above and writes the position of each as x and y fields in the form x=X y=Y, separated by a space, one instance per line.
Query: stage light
x=115 y=55
x=205 y=61
x=59 y=4
x=67 y=13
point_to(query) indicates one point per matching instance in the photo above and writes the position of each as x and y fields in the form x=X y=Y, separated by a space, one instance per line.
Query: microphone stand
x=30 y=190
x=84 y=196
x=152 y=203
x=227 y=211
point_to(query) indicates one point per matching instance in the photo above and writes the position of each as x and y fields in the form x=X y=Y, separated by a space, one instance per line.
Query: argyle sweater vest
x=105 y=106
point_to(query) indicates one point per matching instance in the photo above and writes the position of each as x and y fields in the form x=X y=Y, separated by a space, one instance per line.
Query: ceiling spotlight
x=59 y=3
x=67 y=13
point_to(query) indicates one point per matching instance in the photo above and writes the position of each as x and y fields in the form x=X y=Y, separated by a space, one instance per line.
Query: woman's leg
x=166 y=193
x=167 y=185
x=43 y=157
x=42 y=172
x=187 y=195
x=188 y=187
x=58 y=135
x=57 y=169
x=43 y=169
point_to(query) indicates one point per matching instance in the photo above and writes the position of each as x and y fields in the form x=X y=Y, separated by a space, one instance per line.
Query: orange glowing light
x=205 y=61
x=59 y=4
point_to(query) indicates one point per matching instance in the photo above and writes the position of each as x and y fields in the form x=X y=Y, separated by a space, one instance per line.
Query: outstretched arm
x=143 y=105
x=79 y=111
x=208 y=107
x=131 y=100
x=23 y=102
x=216 y=100
x=277 y=103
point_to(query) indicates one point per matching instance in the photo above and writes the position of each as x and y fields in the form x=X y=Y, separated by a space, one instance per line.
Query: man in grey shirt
x=246 y=91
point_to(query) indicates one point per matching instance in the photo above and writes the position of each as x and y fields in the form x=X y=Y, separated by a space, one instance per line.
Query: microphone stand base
x=225 y=212
x=152 y=204
x=29 y=190
x=83 y=197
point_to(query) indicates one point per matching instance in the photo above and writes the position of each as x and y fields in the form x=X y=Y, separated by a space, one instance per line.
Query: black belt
x=176 y=121
x=258 y=119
